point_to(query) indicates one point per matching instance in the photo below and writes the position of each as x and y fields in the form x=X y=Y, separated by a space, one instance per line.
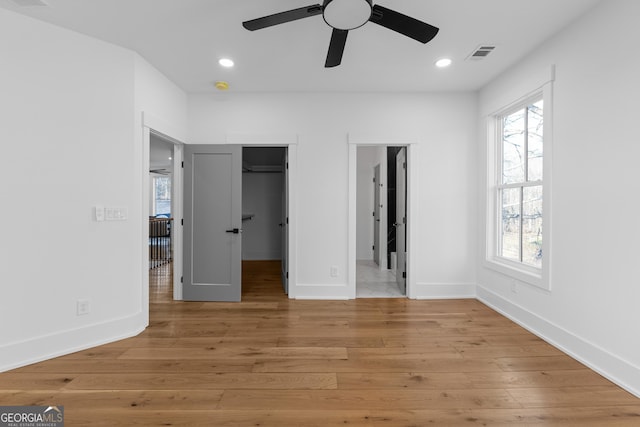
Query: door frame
x=412 y=197
x=152 y=124
x=166 y=130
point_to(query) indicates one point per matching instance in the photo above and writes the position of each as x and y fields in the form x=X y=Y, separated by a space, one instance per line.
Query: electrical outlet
x=334 y=271
x=83 y=306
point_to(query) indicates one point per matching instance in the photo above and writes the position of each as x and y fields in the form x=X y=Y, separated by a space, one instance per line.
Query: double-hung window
x=520 y=184
x=518 y=204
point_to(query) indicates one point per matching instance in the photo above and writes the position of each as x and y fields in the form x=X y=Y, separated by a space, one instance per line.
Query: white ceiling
x=185 y=38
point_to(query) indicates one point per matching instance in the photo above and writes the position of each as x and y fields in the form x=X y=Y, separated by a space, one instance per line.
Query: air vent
x=30 y=3
x=481 y=52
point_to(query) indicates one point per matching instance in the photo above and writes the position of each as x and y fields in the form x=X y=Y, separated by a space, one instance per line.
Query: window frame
x=539 y=277
x=154 y=199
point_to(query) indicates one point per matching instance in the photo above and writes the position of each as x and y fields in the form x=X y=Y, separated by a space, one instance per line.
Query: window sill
x=530 y=275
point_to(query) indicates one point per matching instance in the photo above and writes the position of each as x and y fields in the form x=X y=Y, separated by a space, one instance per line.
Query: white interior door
x=401 y=219
x=212 y=223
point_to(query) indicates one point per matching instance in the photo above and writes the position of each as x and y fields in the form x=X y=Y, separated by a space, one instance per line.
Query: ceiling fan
x=346 y=15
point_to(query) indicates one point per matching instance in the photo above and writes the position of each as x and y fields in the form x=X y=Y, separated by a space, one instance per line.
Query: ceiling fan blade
x=403 y=24
x=282 y=17
x=336 y=48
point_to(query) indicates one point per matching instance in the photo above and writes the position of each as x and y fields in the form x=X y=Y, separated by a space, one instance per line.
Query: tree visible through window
x=520 y=185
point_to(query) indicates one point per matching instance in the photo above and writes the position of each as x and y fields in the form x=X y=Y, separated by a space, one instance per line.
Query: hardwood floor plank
x=512 y=351
x=522 y=338
x=454 y=340
x=199 y=381
x=400 y=353
x=366 y=399
x=537 y=379
x=223 y=418
x=402 y=380
x=30 y=381
x=573 y=396
x=347 y=342
x=232 y=352
x=538 y=363
x=115 y=400
x=377 y=365
x=70 y=366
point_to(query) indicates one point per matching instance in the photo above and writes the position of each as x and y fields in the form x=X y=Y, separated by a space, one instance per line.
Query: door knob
x=235 y=231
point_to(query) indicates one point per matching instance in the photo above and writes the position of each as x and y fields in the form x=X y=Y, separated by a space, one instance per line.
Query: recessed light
x=443 y=63
x=226 y=62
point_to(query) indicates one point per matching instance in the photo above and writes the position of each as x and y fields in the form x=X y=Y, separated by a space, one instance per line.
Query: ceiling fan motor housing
x=346 y=14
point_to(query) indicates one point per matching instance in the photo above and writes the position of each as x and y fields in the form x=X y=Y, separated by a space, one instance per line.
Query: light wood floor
x=270 y=361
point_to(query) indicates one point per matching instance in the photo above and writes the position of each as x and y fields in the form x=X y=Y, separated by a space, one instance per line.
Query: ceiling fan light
x=347 y=14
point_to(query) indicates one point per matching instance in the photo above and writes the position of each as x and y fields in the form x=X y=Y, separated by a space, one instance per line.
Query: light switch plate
x=99 y=213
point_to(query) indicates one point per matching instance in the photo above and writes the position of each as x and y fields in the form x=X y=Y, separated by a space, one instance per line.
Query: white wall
x=262 y=197
x=70 y=142
x=442 y=125
x=160 y=100
x=592 y=308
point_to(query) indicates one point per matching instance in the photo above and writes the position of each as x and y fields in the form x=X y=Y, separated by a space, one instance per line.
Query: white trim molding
x=619 y=371
x=266 y=139
x=290 y=141
x=322 y=292
x=541 y=278
x=18 y=354
x=163 y=127
x=444 y=291
x=354 y=141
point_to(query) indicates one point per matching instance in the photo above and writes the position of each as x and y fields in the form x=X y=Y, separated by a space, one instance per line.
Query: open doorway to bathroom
x=381 y=222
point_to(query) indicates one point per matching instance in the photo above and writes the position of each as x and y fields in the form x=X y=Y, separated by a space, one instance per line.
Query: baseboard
x=617 y=370
x=443 y=291
x=322 y=292
x=16 y=355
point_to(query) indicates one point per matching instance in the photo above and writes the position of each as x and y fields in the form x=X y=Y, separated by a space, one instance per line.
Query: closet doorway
x=265 y=217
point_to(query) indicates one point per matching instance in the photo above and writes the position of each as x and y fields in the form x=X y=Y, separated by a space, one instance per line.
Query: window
x=520 y=186
x=162 y=195
x=519 y=176
x=518 y=204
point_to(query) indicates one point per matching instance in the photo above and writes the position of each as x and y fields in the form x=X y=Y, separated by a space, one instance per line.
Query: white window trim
x=539 y=277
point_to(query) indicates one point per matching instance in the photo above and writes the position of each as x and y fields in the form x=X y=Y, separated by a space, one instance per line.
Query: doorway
x=236 y=210
x=265 y=210
x=161 y=223
x=381 y=206
x=380 y=185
